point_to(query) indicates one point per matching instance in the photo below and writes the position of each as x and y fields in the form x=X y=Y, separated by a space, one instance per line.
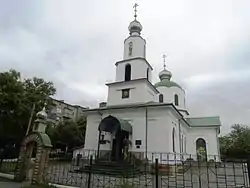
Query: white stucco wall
x=140 y=92
x=160 y=123
x=139 y=68
x=209 y=135
x=138 y=49
x=168 y=95
x=91 y=137
x=159 y=129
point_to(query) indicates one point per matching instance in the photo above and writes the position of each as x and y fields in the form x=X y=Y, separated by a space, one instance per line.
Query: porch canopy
x=112 y=124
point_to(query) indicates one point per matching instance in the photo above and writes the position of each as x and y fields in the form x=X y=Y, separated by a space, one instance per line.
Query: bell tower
x=134 y=54
x=133 y=72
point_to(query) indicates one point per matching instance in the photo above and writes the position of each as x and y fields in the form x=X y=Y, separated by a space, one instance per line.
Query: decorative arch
x=161 y=98
x=128 y=72
x=43 y=145
x=201 y=149
x=176 y=100
x=173 y=139
x=113 y=125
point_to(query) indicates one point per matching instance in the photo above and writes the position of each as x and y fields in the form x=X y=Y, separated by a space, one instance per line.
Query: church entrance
x=121 y=130
x=118 y=151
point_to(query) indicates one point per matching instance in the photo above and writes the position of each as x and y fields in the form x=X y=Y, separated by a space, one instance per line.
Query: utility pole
x=30 y=119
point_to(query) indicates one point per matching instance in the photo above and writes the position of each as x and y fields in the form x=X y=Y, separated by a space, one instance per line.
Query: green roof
x=125 y=125
x=204 y=121
x=45 y=139
x=167 y=83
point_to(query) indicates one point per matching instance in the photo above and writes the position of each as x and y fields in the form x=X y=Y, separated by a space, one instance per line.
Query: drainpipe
x=98 y=146
x=218 y=144
x=146 y=139
x=179 y=122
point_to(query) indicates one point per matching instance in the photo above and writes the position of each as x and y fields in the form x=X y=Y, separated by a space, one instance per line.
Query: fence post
x=90 y=168
x=78 y=157
x=248 y=168
x=156 y=173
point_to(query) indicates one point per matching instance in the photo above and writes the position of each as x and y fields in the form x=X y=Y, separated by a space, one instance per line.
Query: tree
x=68 y=134
x=236 y=144
x=16 y=100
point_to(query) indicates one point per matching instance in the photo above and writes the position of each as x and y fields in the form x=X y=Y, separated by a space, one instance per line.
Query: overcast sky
x=75 y=44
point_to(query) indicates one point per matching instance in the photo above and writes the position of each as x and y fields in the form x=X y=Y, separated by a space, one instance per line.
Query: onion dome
x=42 y=114
x=165 y=76
x=135 y=27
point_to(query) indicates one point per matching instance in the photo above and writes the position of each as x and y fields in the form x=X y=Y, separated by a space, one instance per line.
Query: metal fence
x=8 y=166
x=161 y=170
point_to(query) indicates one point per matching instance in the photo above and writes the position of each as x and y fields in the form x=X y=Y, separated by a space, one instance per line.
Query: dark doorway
x=117 y=153
x=121 y=130
x=113 y=151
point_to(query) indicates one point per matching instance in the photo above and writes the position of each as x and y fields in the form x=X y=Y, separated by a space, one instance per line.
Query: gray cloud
x=76 y=44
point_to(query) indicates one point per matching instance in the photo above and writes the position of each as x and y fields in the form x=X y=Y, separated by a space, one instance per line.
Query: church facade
x=152 y=118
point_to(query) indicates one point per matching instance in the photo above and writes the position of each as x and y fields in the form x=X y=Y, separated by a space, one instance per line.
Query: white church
x=153 y=117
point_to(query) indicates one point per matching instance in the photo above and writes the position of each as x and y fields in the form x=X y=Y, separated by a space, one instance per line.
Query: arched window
x=173 y=139
x=176 y=100
x=161 y=98
x=201 y=149
x=128 y=72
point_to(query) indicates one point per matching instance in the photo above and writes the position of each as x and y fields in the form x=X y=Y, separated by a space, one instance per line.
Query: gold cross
x=164 y=60
x=135 y=7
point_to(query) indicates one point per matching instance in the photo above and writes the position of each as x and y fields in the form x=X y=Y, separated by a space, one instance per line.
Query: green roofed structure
x=204 y=121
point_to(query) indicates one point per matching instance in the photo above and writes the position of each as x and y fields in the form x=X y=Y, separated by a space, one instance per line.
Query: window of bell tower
x=128 y=72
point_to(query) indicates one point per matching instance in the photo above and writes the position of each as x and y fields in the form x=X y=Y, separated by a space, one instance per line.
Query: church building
x=151 y=117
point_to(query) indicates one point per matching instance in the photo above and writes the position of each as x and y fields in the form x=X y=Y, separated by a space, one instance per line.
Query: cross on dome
x=165 y=74
x=135 y=7
x=164 y=61
x=135 y=26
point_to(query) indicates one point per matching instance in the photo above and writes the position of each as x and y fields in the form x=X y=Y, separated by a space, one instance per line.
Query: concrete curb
x=62 y=186
x=7 y=176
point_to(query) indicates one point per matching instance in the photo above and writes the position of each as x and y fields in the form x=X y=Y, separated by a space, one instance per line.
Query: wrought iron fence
x=148 y=170
x=8 y=165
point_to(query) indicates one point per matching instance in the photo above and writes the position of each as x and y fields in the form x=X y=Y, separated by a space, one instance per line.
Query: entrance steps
x=122 y=169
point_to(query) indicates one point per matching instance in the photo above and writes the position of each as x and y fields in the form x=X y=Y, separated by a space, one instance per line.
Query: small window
x=125 y=93
x=138 y=142
x=128 y=72
x=176 y=100
x=161 y=98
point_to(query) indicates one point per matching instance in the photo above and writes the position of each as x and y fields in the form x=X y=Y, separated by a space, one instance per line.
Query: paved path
x=10 y=184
